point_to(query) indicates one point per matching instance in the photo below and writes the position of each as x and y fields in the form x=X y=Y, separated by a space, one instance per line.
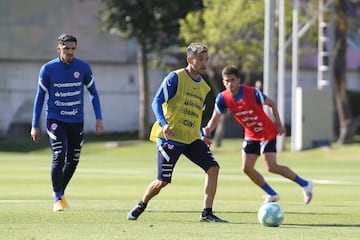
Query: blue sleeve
x=260 y=96
x=166 y=91
x=93 y=93
x=202 y=134
x=38 y=105
x=95 y=100
x=42 y=89
x=220 y=105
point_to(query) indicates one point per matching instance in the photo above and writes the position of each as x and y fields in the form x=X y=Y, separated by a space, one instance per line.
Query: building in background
x=29 y=30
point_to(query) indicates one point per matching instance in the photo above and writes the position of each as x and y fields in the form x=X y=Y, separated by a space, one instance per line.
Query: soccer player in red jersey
x=246 y=105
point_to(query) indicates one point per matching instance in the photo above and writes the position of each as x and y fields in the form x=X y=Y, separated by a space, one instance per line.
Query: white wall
x=118 y=87
x=308 y=80
x=314 y=119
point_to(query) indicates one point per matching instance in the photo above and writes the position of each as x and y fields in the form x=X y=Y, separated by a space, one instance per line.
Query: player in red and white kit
x=246 y=105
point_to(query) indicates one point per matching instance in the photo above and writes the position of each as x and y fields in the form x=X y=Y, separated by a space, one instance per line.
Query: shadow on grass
x=322 y=225
x=26 y=145
x=284 y=225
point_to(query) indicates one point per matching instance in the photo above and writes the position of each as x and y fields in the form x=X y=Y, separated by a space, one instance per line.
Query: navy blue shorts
x=259 y=147
x=168 y=154
x=65 y=139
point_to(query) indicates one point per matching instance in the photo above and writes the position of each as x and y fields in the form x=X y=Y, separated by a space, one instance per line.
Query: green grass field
x=112 y=177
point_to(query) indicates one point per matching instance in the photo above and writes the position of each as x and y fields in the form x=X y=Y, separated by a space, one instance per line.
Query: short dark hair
x=66 y=38
x=196 y=48
x=230 y=70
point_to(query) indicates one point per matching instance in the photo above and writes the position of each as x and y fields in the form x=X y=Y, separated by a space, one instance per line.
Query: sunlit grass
x=112 y=177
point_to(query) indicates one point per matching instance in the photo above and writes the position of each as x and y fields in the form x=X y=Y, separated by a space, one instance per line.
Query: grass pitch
x=112 y=177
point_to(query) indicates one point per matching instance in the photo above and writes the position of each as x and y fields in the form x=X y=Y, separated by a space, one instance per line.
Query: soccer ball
x=270 y=215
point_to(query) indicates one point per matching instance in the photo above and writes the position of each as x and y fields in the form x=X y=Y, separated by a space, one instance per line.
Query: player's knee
x=72 y=164
x=213 y=171
x=247 y=170
x=58 y=161
x=273 y=169
x=159 y=184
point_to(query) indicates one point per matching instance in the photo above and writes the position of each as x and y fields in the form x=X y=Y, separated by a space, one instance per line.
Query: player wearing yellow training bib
x=184 y=109
x=178 y=106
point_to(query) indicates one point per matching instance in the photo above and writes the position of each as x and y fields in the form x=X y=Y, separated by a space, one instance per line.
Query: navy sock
x=302 y=182
x=206 y=211
x=266 y=187
x=57 y=196
x=142 y=204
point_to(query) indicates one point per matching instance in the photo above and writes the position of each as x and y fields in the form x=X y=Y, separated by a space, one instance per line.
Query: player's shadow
x=222 y=214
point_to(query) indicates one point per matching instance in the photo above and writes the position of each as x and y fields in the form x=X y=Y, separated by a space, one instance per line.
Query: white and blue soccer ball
x=271 y=215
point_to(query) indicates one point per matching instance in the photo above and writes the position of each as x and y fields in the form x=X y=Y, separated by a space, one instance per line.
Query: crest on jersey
x=54 y=126
x=76 y=74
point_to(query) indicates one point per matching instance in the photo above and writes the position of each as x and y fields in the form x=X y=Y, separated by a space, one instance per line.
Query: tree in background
x=234 y=32
x=155 y=25
x=347 y=125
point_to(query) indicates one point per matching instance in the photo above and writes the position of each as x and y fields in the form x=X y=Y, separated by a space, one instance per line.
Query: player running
x=178 y=107
x=246 y=105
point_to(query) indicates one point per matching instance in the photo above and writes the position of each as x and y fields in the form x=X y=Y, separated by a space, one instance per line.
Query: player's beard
x=68 y=58
x=199 y=70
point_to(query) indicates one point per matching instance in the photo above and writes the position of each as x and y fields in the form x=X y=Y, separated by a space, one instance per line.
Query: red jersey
x=251 y=115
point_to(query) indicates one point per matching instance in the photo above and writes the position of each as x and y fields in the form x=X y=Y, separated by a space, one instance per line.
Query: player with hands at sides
x=63 y=79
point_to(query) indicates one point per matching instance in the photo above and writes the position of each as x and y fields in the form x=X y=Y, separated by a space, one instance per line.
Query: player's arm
x=165 y=92
x=212 y=124
x=274 y=111
x=263 y=99
x=93 y=95
x=95 y=101
x=41 y=91
x=203 y=136
x=38 y=105
x=219 y=108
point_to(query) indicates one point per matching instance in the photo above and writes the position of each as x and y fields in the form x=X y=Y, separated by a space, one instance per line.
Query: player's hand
x=168 y=131
x=281 y=130
x=99 y=127
x=207 y=131
x=206 y=141
x=35 y=134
